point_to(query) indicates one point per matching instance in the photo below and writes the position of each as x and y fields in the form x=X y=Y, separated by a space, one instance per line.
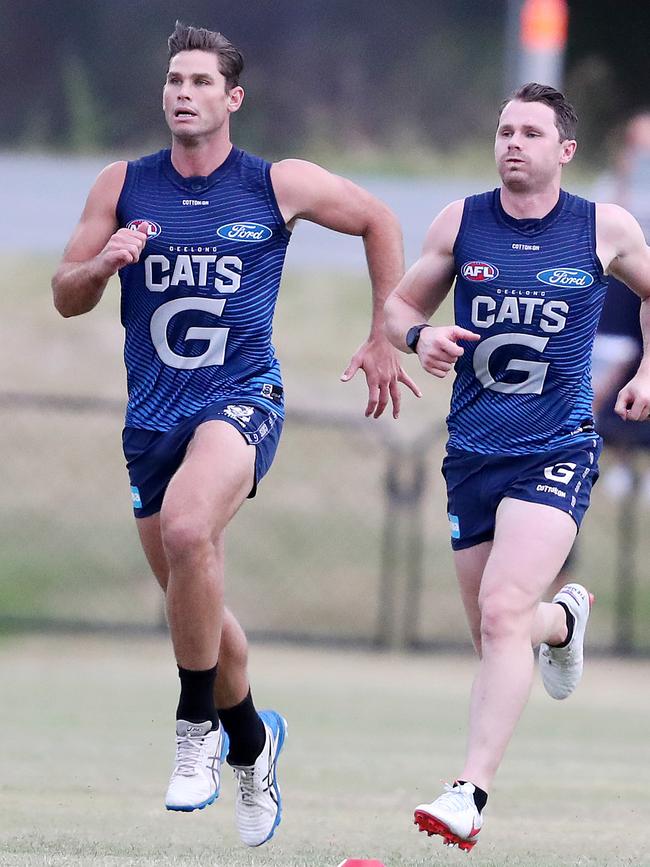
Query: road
x=46 y=196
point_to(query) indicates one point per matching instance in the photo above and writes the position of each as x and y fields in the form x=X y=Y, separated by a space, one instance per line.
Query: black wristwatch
x=413 y=335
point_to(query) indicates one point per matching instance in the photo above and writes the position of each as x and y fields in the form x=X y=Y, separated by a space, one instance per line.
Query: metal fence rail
x=348 y=544
x=330 y=514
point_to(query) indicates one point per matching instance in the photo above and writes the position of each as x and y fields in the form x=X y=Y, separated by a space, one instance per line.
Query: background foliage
x=337 y=76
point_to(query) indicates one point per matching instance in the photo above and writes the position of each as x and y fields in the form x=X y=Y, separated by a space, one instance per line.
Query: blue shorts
x=152 y=457
x=476 y=484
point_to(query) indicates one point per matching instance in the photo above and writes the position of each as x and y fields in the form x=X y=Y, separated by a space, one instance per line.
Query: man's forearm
x=78 y=287
x=400 y=316
x=385 y=256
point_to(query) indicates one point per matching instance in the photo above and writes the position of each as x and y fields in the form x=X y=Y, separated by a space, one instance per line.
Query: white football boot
x=196 y=778
x=258 y=807
x=561 y=667
x=453 y=816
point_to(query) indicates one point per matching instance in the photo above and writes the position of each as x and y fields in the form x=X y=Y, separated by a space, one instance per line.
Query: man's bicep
x=622 y=248
x=89 y=238
x=308 y=192
x=98 y=220
x=633 y=268
x=428 y=281
x=339 y=204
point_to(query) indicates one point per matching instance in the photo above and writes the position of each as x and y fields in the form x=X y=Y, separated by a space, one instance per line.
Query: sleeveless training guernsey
x=198 y=306
x=533 y=289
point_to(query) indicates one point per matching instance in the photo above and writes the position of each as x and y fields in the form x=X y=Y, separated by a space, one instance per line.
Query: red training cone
x=360 y=862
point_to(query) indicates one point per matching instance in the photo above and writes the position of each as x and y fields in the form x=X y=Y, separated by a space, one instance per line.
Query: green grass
x=87 y=740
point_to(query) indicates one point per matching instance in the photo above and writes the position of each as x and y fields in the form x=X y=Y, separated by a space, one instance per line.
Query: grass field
x=87 y=740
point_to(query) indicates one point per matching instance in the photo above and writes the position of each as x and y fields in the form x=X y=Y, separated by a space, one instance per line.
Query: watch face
x=413 y=335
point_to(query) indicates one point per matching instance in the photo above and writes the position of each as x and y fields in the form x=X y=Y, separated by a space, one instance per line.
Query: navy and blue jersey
x=198 y=306
x=533 y=289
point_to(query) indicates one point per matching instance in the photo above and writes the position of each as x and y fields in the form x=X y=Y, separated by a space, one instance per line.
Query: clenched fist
x=438 y=348
x=123 y=248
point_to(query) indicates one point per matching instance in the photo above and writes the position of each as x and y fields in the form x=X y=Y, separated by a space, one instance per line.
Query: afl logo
x=247 y=232
x=153 y=229
x=565 y=277
x=479 y=272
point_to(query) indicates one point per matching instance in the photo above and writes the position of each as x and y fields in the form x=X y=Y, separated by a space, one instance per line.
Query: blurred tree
x=363 y=74
x=347 y=76
x=85 y=127
x=29 y=64
x=609 y=73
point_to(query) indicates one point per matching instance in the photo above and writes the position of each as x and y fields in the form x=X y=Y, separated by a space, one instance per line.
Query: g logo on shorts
x=476 y=484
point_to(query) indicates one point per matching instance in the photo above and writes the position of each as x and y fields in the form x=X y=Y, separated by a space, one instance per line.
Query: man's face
x=195 y=100
x=528 y=150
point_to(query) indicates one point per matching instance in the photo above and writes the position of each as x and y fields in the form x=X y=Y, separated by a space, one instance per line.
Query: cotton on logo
x=562 y=473
x=479 y=272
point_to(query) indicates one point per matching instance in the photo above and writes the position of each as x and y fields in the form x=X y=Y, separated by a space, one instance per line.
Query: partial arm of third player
x=621 y=239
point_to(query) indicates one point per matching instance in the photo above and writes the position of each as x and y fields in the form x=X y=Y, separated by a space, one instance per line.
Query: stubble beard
x=516 y=183
x=190 y=139
x=519 y=182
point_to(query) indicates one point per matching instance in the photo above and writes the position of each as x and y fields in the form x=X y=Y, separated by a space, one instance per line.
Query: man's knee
x=502 y=617
x=184 y=536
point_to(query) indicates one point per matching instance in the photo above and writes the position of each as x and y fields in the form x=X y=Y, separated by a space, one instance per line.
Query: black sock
x=246 y=731
x=196 y=703
x=480 y=797
x=570 y=623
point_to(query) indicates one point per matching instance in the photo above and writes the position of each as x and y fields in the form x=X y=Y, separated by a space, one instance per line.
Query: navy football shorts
x=476 y=484
x=152 y=457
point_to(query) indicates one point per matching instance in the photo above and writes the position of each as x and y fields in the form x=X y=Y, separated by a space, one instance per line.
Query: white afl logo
x=153 y=229
x=479 y=272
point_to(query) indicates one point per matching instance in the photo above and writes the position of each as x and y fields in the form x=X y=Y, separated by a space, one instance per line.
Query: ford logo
x=568 y=277
x=247 y=232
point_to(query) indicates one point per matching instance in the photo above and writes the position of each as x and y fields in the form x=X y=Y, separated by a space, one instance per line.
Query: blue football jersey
x=533 y=289
x=198 y=306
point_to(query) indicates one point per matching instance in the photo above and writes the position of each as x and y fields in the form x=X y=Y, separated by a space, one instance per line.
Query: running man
x=198 y=235
x=529 y=261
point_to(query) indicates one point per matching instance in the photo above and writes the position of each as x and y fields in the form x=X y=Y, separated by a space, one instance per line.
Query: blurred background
x=347 y=540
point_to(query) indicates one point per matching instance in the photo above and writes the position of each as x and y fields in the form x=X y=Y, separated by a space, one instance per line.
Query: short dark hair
x=566 y=119
x=188 y=38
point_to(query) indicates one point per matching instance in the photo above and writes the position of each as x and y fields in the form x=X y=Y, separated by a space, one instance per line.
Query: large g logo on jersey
x=215 y=337
x=536 y=370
